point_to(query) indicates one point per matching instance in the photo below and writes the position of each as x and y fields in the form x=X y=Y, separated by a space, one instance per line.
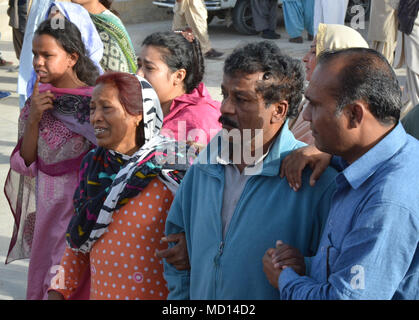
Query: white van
x=239 y=14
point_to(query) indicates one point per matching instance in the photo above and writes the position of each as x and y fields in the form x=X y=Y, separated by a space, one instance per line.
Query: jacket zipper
x=217 y=258
x=221 y=245
x=217 y=265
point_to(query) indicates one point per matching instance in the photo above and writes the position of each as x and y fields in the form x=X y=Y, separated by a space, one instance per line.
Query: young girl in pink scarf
x=54 y=135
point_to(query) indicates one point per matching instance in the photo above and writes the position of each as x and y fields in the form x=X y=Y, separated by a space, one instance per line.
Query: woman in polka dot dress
x=124 y=194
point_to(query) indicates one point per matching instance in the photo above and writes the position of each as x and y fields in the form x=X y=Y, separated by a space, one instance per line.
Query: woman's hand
x=293 y=165
x=178 y=254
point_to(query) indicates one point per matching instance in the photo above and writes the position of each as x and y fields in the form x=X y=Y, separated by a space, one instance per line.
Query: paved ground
x=13 y=276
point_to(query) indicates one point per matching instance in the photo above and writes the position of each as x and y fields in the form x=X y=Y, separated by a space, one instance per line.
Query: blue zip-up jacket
x=268 y=210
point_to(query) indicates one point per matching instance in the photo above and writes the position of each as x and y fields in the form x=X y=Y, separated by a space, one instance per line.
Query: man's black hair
x=283 y=77
x=366 y=75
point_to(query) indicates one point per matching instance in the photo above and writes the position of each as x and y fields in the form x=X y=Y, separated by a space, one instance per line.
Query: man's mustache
x=228 y=122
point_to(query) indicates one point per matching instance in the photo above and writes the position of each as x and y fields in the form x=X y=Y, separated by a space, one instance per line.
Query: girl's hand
x=39 y=103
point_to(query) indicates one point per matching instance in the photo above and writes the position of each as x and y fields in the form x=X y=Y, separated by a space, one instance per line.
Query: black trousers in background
x=264 y=14
x=18 y=41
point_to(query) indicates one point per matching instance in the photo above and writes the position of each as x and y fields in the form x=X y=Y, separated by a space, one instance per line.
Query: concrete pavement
x=13 y=276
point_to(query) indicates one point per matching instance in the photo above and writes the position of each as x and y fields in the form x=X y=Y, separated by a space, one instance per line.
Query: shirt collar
x=364 y=167
x=224 y=160
x=279 y=148
x=252 y=169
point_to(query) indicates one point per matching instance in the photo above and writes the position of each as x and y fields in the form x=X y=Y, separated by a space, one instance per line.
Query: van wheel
x=242 y=18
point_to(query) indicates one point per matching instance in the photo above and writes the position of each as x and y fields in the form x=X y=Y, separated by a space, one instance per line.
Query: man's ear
x=355 y=113
x=280 y=111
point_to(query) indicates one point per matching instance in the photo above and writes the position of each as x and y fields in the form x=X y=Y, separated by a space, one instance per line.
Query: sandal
x=296 y=40
x=213 y=54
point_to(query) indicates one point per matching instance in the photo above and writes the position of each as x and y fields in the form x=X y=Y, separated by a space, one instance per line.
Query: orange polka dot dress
x=122 y=263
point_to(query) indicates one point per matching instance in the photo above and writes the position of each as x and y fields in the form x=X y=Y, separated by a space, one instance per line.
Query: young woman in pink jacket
x=173 y=63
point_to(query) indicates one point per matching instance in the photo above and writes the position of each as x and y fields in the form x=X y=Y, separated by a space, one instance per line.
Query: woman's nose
x=95 y=115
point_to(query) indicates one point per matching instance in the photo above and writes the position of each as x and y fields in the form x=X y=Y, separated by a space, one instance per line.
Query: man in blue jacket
x=233 y=204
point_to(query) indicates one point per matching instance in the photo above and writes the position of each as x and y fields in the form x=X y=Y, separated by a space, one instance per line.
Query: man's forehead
x=322 y=83
x=241 y=79
x=244 y=75
x=333 y=65
x=326 y=74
